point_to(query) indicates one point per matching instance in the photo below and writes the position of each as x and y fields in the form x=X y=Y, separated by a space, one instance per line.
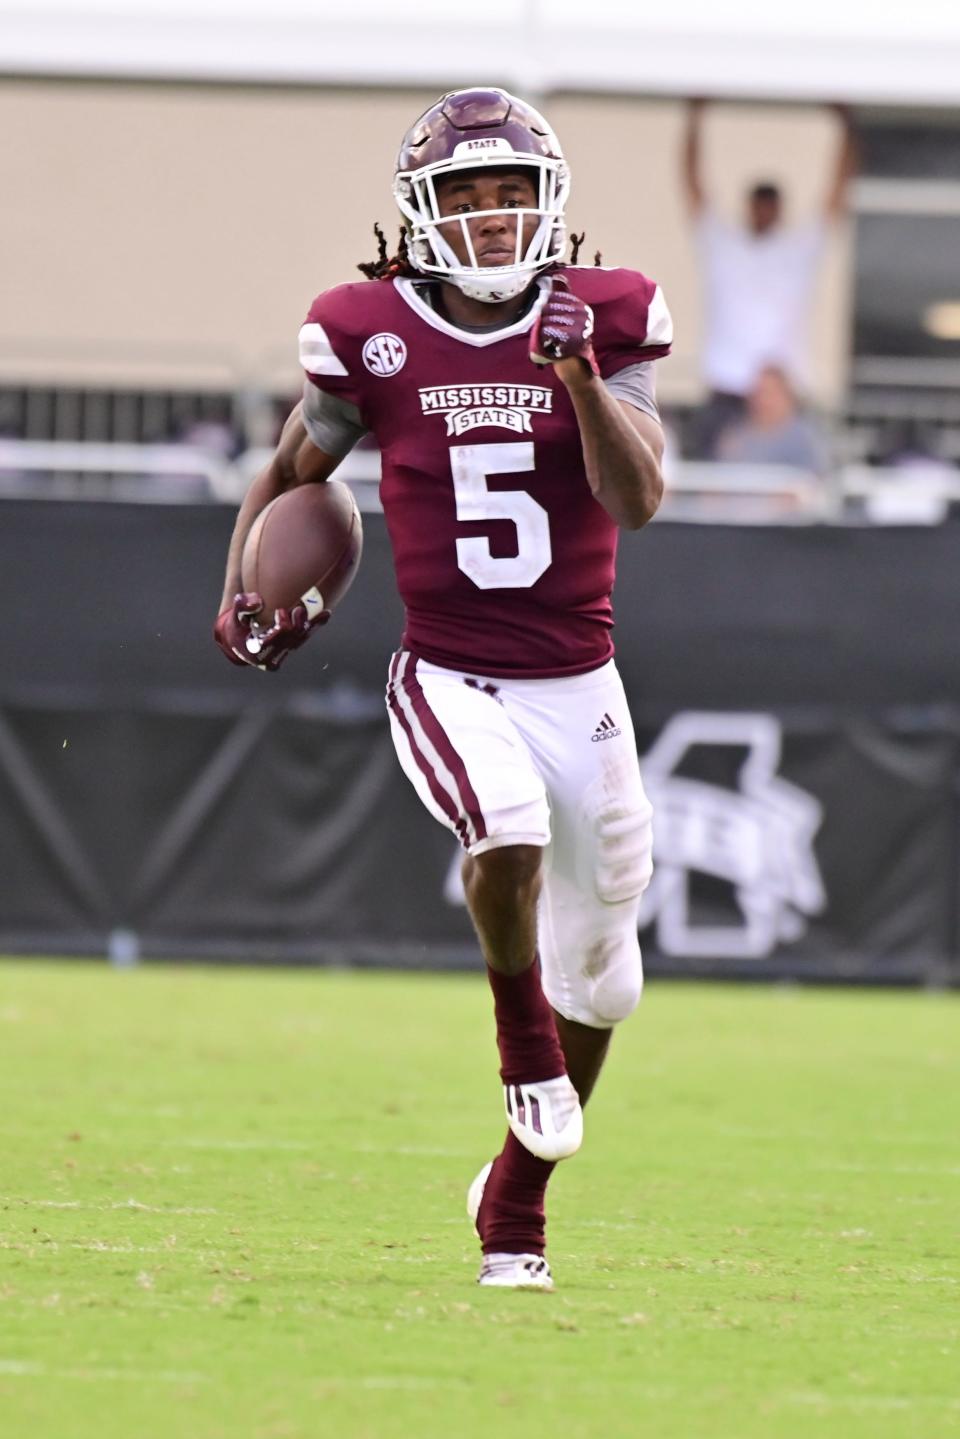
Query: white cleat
x=545 y=1117
x=516 y=1271
x=475 y=1195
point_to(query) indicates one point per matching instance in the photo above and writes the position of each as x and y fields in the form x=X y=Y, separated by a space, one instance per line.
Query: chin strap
x=505 y=290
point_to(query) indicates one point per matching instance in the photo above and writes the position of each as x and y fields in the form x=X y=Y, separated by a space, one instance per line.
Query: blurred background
x=179 y=181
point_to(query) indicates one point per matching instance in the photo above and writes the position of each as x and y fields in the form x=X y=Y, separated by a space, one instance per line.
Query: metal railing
x=75 y=470
x=699 y=492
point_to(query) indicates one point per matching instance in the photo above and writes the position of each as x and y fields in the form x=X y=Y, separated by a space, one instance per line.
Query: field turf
x=232 y=1208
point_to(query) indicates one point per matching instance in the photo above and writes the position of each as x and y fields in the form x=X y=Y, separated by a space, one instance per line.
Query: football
x=303 y=549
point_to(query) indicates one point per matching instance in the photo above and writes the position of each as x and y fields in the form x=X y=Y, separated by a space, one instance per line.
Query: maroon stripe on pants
x=440 y=794
x=444 y=747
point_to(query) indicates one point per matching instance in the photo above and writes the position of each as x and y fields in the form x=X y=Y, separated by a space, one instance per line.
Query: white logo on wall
x=758 y=838
x=384 y=354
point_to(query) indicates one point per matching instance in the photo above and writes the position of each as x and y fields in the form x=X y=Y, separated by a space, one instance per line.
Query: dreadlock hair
x=575 y=242
x=388 y=267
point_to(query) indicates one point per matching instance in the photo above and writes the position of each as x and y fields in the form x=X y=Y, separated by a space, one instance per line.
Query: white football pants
x=551 y=763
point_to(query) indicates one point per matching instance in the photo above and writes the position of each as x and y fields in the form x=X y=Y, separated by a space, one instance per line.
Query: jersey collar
x=407 y=289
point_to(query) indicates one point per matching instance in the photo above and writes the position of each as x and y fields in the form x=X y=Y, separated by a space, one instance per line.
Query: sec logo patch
x=384 y=354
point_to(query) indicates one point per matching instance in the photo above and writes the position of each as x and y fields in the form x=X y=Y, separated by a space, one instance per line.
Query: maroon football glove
x=563 y=330
x=232 y=629
x=264 y=649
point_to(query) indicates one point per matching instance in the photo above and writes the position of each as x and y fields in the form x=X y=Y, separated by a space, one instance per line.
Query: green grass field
x=230 y=1210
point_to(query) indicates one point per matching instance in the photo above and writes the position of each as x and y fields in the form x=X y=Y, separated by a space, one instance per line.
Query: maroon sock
x=512 y=1218
x=526 y=1029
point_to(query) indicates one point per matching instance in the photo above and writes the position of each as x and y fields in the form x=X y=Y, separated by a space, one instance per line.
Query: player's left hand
x=563 y=330
x=290 y=629
x=288 y=632
x=267 y=647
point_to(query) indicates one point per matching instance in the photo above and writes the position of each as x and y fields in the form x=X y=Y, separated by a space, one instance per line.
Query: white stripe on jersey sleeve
x=316 y=352
x=659 y=321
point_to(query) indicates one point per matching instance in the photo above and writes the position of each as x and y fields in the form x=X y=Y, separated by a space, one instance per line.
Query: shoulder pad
x=631 y=318
x=334 y=322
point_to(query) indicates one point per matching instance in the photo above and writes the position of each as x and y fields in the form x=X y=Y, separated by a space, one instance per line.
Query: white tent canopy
x=867 y=51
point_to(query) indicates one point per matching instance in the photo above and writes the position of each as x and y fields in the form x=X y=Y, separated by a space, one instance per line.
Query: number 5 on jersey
x=470 y=466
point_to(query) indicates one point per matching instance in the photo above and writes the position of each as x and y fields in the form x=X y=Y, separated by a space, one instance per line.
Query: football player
x=512 y=399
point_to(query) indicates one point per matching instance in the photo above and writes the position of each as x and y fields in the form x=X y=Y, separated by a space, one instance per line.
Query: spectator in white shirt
x=758 y=280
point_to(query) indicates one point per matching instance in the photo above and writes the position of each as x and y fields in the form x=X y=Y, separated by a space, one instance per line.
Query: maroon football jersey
x=504 y=559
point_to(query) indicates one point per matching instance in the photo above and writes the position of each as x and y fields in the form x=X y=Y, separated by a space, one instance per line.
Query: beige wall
x=175 y=235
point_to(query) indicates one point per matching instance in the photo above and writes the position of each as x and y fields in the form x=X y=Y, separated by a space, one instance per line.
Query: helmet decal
x=470 y=130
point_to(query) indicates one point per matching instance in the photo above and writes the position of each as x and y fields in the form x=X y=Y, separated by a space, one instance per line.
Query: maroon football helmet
x=469 y=130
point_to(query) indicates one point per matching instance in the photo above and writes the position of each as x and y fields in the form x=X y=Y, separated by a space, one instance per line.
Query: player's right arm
x=297 y=461
x=319 y=432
